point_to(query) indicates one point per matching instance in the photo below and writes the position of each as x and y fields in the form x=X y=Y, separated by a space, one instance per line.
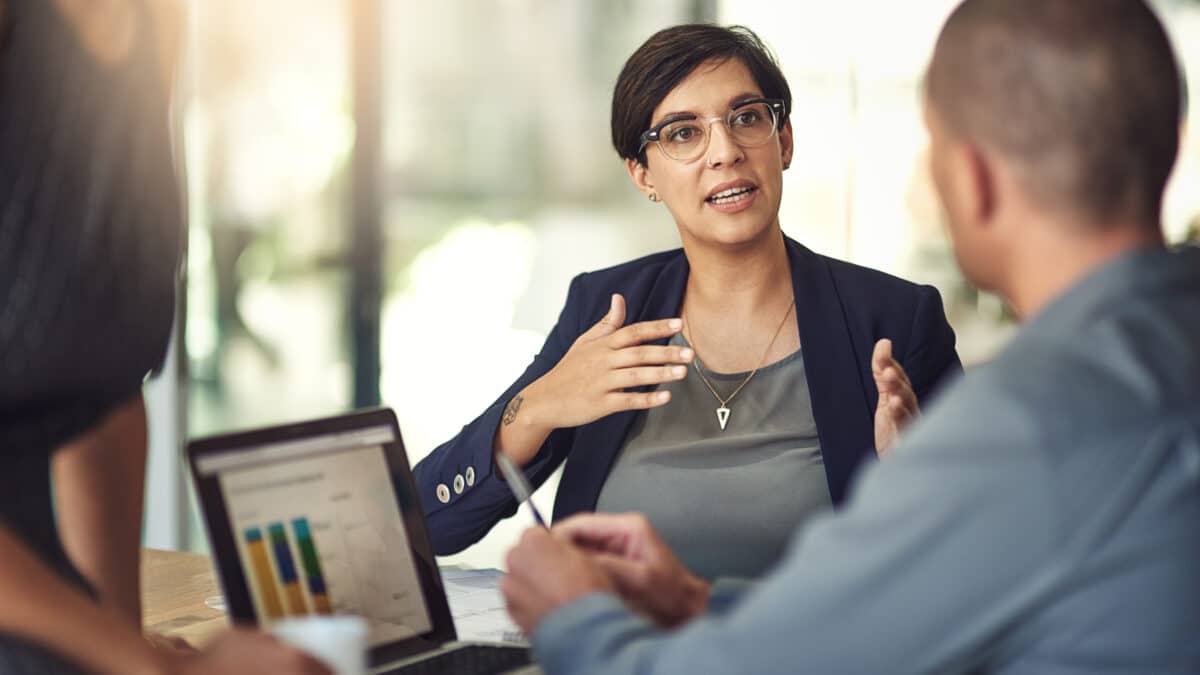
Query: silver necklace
x=723 y=410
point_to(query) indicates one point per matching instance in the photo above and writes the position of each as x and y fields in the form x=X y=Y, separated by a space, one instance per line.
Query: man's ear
x=786 y=143
x=640 y=175
x=976 y=183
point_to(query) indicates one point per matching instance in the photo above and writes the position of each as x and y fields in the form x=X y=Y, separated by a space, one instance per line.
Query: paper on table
x=478 y=607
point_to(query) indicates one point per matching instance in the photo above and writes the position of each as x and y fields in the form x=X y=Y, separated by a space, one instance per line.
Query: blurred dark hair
x=667 y=58
x=6 y=27
x=1084 y=97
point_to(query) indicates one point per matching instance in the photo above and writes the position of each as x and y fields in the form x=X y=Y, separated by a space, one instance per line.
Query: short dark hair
x=667 y=58
x=1084 y=96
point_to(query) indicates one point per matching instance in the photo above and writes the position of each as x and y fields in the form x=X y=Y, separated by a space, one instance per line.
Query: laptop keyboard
x=473 y=660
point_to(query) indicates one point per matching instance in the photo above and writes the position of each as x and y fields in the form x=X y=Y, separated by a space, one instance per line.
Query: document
x=478 y=607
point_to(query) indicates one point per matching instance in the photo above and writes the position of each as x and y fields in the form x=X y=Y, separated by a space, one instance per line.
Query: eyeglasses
x=685 y=138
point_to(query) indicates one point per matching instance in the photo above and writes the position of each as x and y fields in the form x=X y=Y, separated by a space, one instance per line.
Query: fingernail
x=663 y=395
x=685 y=353
x=675 y=324
x=679 y=371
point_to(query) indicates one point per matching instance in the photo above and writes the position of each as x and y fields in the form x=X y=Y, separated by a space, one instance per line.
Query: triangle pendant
x=723 y=416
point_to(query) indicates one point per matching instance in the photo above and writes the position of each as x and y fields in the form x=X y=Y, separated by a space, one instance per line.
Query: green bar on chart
x=312 y=566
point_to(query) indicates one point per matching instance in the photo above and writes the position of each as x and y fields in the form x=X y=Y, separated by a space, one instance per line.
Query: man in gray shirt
x=1044 y=516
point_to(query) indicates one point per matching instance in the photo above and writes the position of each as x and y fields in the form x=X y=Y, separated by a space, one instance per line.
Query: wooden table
x=174 y=588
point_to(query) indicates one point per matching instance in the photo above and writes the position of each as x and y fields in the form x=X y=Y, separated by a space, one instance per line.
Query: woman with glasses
x=727 y=389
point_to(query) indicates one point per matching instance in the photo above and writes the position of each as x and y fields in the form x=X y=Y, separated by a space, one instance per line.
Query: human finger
x=881 y=355
x=888 y=380
x=650 y=355
x=610 y=323
x=520 y=598
x=613 y=532
x=882 y=362
x=644 y=331
x=636 y=400
x=894 y=382
x=629 y=576
x=905 y=404
x=895 y=377
x=525 y=557
x=644 y=376
x=593 y=527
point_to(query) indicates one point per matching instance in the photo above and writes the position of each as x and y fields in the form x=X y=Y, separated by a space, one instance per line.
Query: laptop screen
x=313 y=524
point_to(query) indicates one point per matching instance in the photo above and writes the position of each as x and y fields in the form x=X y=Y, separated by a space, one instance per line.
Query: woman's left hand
x=897 y=400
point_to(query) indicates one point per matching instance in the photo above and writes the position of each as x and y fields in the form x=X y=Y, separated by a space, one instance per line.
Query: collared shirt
x=1043 y=517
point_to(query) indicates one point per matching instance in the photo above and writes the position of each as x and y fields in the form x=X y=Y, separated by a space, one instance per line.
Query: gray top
x=1042 y=517
x=755 y=481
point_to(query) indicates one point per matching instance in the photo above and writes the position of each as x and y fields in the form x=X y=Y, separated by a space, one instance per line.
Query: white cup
x=338 y=641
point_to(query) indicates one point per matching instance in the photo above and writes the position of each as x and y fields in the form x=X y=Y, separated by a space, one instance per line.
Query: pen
x=518 y=484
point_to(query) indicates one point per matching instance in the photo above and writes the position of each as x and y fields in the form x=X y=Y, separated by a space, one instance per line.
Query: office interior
x=388 y=199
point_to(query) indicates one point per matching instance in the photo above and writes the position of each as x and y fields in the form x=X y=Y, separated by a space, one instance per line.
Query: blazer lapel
x=840 y=406
x=597 y=444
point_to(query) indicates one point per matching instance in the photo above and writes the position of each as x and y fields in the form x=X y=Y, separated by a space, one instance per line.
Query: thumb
x=881 y=356
x=611 y=321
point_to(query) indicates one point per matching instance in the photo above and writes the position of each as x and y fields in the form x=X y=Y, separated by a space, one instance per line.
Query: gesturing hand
x=648 y=576
x=897 y=401
x=592 y=378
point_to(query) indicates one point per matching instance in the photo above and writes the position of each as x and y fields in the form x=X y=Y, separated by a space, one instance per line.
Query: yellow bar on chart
x=263 y=576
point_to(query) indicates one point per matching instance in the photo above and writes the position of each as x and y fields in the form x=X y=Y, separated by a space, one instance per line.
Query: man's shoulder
x=1139 y=357
x=1061 y=393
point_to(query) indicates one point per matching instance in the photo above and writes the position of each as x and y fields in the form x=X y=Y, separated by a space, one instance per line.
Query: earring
x=653 y=196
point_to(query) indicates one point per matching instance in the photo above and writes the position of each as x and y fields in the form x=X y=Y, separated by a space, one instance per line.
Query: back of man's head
x=1082 y=97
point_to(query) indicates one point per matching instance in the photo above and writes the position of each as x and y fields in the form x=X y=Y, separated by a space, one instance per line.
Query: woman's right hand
x=591 y=379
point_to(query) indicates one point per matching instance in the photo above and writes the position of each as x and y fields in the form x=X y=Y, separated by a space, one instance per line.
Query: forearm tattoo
x=510 y=412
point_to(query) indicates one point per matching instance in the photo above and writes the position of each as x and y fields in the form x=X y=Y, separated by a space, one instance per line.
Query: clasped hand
x=591 y=553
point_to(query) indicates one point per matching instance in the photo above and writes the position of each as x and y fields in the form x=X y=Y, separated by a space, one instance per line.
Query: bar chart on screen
x=324 y=535
x=276 y=578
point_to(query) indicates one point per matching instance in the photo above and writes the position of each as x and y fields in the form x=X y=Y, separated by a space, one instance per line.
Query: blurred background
x=388 y=198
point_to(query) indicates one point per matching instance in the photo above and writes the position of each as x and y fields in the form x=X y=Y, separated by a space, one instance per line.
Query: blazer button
x=470 y=473
x=443 y=493
x=459 y=484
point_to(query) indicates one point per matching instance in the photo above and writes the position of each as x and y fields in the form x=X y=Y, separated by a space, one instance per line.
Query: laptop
x=323 y=517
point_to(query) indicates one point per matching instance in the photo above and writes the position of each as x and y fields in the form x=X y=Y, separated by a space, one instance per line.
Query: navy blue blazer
x=841 y=311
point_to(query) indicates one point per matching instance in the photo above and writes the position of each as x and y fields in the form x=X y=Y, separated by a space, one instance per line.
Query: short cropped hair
x=1083 y=95
x=667 y=58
